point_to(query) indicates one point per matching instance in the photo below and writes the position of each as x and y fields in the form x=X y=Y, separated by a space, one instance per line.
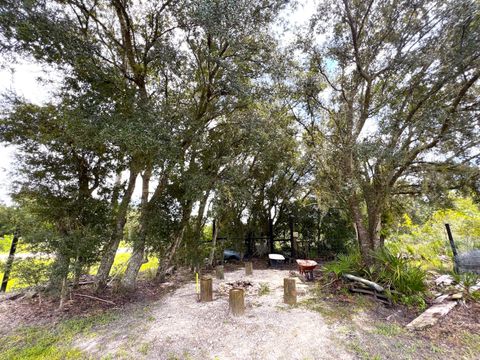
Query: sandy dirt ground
x=179 y=327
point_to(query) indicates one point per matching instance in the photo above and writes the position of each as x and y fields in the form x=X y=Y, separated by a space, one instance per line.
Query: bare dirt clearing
x=180 y=327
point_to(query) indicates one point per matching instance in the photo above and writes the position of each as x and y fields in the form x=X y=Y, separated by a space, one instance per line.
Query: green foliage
x=396 y=272
x=31 y=271
x=199 y=100
x=344 y=264
x=404 y=281
x=426 y=243
x=338 y=234
x=5 y=243
x=27 y=272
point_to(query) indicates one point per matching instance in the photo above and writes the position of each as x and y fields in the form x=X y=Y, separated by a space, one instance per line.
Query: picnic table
x=276 y=260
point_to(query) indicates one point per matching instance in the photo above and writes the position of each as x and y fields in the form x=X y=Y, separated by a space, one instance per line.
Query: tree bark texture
x=248 y=268
x=206 y=288
x=219 y=272
x=110 y=249
x=214 y=243
x=137 y=259
x=289 y=291
x=236 y=302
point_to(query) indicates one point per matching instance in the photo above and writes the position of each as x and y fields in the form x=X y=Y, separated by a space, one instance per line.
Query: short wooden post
x=289 y=291
x=206 y=289
x=248 y=268
x=219 y=272
x=236 y=301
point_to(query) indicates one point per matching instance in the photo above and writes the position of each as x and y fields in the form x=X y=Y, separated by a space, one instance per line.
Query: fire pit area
x=249 y=287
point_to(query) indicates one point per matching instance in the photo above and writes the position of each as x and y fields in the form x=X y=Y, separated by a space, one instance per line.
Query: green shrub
x=345 y=264
x=397 y=272
x=31 y=271
x=404 y=281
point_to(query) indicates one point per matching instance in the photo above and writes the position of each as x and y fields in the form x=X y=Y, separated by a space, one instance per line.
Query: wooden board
x=430 y=316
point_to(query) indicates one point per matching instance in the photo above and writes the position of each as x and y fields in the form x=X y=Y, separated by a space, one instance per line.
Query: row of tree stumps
x=236 y=296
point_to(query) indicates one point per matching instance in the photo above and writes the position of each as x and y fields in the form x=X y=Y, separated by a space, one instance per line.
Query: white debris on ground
x=444 y=280
x=182 y=328
x=431 y=316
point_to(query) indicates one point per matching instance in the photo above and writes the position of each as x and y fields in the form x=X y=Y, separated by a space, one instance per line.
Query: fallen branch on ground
x=369 y=283
x=96 y=298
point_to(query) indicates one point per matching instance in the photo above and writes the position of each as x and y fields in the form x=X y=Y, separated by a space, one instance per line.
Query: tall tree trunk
x=138 y=255
x=214 y=243
x=110 y=249
x=362 y=232
x=77 y=270
x=195 y=251
x=368 y=226
x=374 y=227
x=167 y=260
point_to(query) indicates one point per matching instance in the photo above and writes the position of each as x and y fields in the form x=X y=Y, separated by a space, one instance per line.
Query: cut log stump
x=289 y=291
x=236 y=301
x=248 y=268
x=219 y=272
x=206 y=288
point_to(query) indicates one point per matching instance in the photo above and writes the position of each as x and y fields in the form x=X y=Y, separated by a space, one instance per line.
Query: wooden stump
x=236 y=301
x=248 y=268
x=206 y=288
x=289 y=291
x=219 y=272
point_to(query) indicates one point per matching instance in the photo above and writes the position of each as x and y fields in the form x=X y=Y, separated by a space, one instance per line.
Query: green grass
x=264 y=289
x=330 y=311
x=361 y=352
x=50 y=342
x=387 y=329
x=471 y=345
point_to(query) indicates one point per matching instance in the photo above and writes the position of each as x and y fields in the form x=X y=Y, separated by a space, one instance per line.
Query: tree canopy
x=219 y=119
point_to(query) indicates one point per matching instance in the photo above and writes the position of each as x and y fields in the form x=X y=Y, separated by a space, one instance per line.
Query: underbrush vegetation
x=425 y=241
x=405 y=282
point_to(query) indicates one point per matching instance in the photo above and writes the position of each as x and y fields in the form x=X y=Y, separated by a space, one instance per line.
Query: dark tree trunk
x=270 y=236
x=293 y=244
x=9 y=264
x=214 y=243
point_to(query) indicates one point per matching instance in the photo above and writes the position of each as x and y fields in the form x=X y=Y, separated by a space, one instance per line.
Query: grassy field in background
x=119 y=266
